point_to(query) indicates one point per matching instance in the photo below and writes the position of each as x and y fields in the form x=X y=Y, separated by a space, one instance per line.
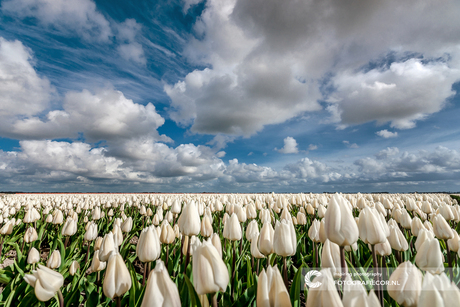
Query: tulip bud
x=127 y=225
x=215 y=240
x=441 y=229
x=422 y=236
x=454 y=242
x=97 y=265
x=167 y=233
x=321 y=211
x=148 y=248
x=446 y=212
x=107 y=246
x=58 y=217
x=437 y=290
x=310 y=209
x=49 y=218
x=70 y=227
x=176 y=207
x=405 y=284
x=232 y=229
x=241 y=214
x=326 y=294
x=372 y=226
x=397 y=239
x=284 y=239
x=210 y=273
x=254 y=250
x=354 y=294
x=330 y=258
x=34 y=256
x=429 y=257
x=7 y=229
x=206 y=226
x=266 y=239
x=30 y=235
x=271 y=290
x=251 y=211
x=117 y=234
x=117 y=280
x=73 y=268
x=189 y=220
x=313 y=232
x=301 y=218
x=54 y=260
x=161 y=290
x=426 y=207
x=382 y=249
x=340 y=225
x=415 y=226
x=96 y=214
x=91 y=232
x=97 y=243
x=405 y=220
x=252 y=230
x=45 y=282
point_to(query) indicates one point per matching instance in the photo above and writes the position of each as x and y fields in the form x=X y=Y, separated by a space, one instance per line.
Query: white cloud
x=312 y=147
x=417 y=166
x=386 y=134
x=143 y=162
x=105 y=115
x=132 y=52
x=385 y=153
x=402 y=94
x=70 y=16
x=220 y=141
x=267 y=66
x=23 y=91
x=309 y=169
x=353 y=145
x=128 y=35
x=290 y=146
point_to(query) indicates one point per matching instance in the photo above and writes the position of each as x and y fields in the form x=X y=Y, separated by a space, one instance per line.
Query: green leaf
x=93 y=299
x=18 y=268
x=247 y=298
x=295 y=288
x=193 y=296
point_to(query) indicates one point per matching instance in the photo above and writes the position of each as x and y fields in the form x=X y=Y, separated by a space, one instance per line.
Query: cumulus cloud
x=267 y=66
x=309 y=169
x=80 y=16
x=350 y=145
x=403 y=93
x=290 y=146
x=386 y=134
x=23 y=91
x=130 y=49
x=416 y=166
x=312 y=147
x=105 y=115
x=143 y=162
x=385 y=153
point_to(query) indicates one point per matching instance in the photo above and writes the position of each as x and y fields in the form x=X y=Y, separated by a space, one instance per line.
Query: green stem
x=233 y=271
x=61 y=299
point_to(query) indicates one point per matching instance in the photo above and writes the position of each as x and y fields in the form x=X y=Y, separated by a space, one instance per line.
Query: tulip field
x=229 y=250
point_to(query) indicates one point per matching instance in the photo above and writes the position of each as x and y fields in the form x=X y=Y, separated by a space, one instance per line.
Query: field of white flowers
x=229 y=249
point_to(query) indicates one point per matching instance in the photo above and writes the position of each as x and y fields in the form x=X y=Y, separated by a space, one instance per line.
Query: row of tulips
x=227 y=249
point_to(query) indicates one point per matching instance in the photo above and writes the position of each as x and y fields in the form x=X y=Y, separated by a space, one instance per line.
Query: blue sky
x=229 y=96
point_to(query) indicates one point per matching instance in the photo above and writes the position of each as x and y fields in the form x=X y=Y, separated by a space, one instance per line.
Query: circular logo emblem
x=308 y=277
